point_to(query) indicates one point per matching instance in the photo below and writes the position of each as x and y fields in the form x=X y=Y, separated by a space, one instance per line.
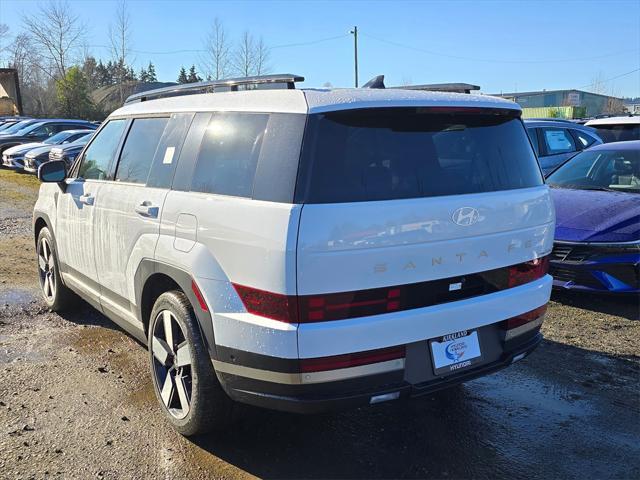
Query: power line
x=459 y=57
x=609 y=79
x=200 y=50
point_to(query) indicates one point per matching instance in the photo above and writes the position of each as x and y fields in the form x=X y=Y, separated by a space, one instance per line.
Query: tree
x=119 y=35
x=89 y=69
x=182 y=76
x=251 y=57
x=56 y=34
x=4 y=35
x=261 y=58
x=243 y=60
x=151 y=72
x=193 y=75
x=143 y=76
x=216 y=60
x=73 y=95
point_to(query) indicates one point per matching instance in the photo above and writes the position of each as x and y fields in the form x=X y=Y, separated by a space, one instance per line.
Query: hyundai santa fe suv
x=303 y=250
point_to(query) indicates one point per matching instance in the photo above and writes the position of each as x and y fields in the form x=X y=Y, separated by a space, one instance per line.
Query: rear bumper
x=414 y=379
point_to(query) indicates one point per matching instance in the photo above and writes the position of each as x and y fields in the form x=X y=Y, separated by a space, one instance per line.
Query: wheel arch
x=152 y=278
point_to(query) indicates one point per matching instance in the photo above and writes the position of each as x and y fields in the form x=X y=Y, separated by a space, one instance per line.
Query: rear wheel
x=185 y=382
x=56 y=295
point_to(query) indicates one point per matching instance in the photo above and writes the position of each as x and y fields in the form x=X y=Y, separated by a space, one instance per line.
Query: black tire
x=177 y=382
x=56 y=295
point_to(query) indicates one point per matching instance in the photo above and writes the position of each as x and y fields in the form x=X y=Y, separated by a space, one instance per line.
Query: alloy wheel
x=172 y=364
x=46 y=266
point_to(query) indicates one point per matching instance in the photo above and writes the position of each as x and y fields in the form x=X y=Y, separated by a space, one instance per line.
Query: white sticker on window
x=168 y=155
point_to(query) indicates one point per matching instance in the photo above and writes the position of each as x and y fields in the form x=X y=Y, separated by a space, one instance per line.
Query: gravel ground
x=76 y=401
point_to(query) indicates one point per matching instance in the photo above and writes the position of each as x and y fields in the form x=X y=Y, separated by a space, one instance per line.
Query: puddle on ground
x=16 y=296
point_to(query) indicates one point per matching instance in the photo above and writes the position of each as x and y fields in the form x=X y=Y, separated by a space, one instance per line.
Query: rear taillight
x=378 y=301
x=362 y=303
x=351 y=359
x=518 y=321
x=528 y=271
x=267 y=304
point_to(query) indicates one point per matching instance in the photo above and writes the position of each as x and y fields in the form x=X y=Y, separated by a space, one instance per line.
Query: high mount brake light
x=377 y=301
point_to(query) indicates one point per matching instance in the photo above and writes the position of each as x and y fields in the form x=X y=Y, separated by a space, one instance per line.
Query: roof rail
x=281 y=80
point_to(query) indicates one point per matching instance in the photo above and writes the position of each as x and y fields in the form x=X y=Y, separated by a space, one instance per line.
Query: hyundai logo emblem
x=465 y=216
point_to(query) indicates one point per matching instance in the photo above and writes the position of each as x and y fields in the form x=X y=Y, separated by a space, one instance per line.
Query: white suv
x=303 y=249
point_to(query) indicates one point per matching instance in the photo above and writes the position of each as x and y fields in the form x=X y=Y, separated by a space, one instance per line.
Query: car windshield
x=16 y=127
x=82 y=140
x=28 y=128
x=58 y=138
x=6 y=125
x=618 y=133
x=608 y=170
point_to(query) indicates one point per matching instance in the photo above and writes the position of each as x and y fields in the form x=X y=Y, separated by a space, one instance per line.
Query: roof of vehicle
x=614 y=121
x=630 y=145
x=311 y=101
x=556 y=123
x=78 y=130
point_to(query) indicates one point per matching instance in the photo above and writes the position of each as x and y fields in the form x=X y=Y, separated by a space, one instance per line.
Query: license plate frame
x=455 y=352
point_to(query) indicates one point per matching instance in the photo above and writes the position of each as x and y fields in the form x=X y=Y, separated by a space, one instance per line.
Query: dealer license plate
x=455 y=351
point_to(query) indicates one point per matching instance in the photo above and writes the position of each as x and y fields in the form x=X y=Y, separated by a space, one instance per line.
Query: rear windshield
x=386 y=154
x=618 y=133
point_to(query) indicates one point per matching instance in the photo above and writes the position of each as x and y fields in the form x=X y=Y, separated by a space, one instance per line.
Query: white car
x=303 y=250
x=616 y=129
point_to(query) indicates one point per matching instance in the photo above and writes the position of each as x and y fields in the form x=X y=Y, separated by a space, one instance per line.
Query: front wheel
x=185 y=382
x=56 y=295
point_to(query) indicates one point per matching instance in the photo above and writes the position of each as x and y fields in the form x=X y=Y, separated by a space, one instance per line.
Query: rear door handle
x=86 y=199
x=146 y=209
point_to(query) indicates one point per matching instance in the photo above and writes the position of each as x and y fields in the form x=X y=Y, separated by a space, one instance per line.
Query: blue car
x=556 y=141
x=597 y=239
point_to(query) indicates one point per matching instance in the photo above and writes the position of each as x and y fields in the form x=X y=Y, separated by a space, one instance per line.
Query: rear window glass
x=618 y=133
x=386 y=154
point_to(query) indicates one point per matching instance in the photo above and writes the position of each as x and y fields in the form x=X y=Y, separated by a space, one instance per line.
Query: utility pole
x=355 y=49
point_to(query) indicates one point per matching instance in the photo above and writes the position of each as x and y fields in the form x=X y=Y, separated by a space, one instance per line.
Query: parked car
x=597 y=199
x=14 y=156
x=555 y=141
x=388 y=256
x=68 y=153
x=17 y=126
x=38 y=132
x=617 y=129
x=73 y=143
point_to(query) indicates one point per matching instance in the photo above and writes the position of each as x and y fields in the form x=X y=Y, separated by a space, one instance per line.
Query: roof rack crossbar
x=287 y=80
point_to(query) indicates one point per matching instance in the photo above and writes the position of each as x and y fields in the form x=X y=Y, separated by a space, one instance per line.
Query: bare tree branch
x=216 y=60
x=56 y=33
x=119 y=36
x=261 y=56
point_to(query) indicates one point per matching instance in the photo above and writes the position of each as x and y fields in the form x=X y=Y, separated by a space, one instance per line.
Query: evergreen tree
x=73 y=95
x=143 y=76
x=193 y=75
x=182 y=76
x=151 y=73
x=102 y=75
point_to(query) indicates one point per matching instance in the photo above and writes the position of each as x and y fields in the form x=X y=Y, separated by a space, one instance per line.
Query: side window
x=583 y=140
x=533 y=136
x=558 y=140
x=229 y=154
x=169 y=150
x=98 y=156
x=139 y=149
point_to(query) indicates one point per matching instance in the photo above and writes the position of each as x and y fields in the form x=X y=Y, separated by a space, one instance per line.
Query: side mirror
x=52 y=172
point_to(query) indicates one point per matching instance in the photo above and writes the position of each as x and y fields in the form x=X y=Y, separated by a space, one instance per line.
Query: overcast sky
x=501 y=46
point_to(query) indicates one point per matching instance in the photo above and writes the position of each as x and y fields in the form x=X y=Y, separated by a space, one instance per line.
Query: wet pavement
x=76 y=401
